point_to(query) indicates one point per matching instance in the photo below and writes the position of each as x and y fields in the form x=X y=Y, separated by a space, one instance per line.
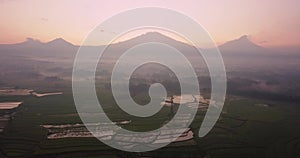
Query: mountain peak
x=244 y=37
x=59 y=42
x=154 y=36
x=153 y=33
x=150 y=37
x=29 y=39
x=30 y=42
x=59 y=39
x=241 y=44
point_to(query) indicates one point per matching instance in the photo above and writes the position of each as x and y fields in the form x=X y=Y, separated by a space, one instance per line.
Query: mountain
x=116 y=49
x=34 y=43
x=58 y=48
x=241 y=43
x=33 y=48
x=57 y=56
x=151 y=37
x=242 y=46
x=30 y=42
x=59 y=42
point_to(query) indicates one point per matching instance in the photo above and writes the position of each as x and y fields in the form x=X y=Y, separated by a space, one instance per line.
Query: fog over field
x=250 y=68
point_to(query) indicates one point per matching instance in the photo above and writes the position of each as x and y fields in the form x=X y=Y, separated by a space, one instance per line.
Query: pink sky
x=267 y=22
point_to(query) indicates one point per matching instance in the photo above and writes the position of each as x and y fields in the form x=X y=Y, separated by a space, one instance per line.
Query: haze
x=268 y=23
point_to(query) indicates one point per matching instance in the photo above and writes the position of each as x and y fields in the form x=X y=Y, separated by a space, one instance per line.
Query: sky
x=269 y=23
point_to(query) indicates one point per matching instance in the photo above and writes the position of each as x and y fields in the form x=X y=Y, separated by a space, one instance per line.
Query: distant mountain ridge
x=242 y=46
x=35 y=48
x=243 y=41
x=59 y=42
x=60 y=47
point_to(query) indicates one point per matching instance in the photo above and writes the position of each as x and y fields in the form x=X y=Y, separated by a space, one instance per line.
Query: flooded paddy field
x=7 y=112
x=9 y=105
x=9 y=91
